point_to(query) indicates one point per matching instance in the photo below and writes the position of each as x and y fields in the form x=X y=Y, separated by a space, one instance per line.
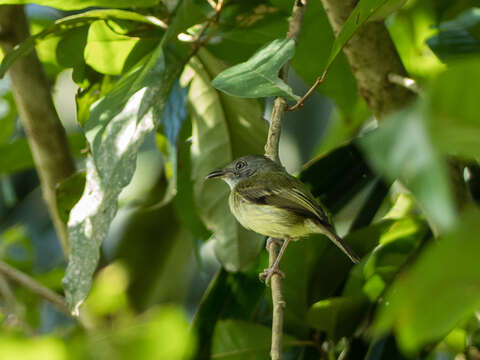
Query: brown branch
x=310 y=91
x=372 y=57
x=45 y=133
x=34 y=286
x=272 y=151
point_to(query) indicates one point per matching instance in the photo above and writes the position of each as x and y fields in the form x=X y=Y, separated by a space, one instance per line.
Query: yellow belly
x=268 y=220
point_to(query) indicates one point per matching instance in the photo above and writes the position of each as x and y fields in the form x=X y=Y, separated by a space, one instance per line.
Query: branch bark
x=372 y=57
x=272 y=151
x=35 y=287
x=45 y=133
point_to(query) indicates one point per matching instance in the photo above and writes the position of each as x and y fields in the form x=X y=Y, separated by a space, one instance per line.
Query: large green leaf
x=64 y=25
x=338 y=316
x=402 y=148
x=258 y=76
x=117 y=127
x=240 y=340
x=453 y=105
x=229 y=295
x=244 y=27
x=82 y=4
x=110 y=52
x=438 y=291
x=458 y=37
x=224 y=128
x=409 y=30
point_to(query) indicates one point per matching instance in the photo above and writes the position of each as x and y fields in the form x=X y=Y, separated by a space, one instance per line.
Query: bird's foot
x=267 y=274
x=271 y=240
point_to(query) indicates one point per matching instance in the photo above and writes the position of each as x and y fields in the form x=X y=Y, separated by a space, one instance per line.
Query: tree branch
x=45 y=133
x=372 y=57
x=34 y=286
x=271 y=151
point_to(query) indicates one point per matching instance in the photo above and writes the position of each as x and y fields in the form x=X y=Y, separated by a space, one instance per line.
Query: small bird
x=268 y=200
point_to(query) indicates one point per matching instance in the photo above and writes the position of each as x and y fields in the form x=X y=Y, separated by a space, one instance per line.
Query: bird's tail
x=337 y=240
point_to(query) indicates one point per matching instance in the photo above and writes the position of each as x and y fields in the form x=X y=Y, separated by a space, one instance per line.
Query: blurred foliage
x=167 y=272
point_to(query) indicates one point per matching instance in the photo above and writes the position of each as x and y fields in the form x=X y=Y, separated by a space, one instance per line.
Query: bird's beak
x=217 y=173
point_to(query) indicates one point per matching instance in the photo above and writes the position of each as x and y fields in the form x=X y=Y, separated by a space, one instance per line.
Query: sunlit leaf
x=224 y=128
x=258 y=76
x=109 y=52
x=65 y=25
x=438 y=291
x=117 y=127
x=82 y=4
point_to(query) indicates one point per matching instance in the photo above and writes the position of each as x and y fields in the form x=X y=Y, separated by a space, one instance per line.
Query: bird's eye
x=239 y=165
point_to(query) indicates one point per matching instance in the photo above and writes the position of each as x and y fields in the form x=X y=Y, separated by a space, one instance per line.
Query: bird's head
x=244 y=167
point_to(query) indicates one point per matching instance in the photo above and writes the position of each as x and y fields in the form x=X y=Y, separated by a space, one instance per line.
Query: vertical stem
x=45 y=133
x=278 y=304
x=271 y=151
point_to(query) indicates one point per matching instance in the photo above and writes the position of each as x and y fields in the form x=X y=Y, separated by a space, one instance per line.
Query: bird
x=266 y=199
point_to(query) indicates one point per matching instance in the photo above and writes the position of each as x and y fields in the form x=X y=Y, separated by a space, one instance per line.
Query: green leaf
x=441 y=289
x=402 y=148
x=258 y=76
x=82 y=4
x=244 y=27
x=224 y=128
x=17 y=156
x=364 y=10
x=173 y=118
x=110 y=52
x=68 y=192
x=242 y=340
x=398 y=239
x=337 y=176
x=453 y=119
x=458 y=37
x=338 y=316
x=187 y=14
x=229 y=295
x=68 y=23
x=117 y=127
x=8 y=115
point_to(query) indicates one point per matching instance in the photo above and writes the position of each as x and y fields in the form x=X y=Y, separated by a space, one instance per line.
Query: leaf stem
x=272 y=151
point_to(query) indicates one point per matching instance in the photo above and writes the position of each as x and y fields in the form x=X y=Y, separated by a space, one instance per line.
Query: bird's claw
x=267 y=274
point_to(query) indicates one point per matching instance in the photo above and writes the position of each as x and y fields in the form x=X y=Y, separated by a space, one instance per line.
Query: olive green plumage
x=271 y=202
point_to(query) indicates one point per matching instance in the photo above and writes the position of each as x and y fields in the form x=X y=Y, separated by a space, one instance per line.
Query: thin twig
x=310 y=91
x=34 y=286
x=271 y=151
x=406 y=82
x=198 y=42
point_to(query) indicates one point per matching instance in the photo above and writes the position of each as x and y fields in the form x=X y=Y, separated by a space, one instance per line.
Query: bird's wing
x=283 y=191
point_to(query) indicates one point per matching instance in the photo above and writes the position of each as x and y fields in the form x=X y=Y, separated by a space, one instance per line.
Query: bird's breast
x=267 y=220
